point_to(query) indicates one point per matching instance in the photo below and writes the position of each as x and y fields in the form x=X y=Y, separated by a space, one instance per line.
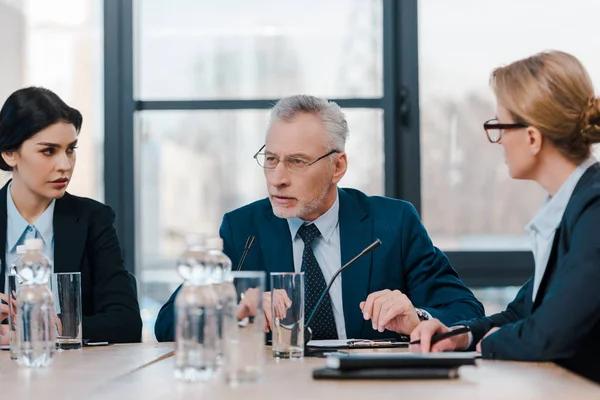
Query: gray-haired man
x=309 y=224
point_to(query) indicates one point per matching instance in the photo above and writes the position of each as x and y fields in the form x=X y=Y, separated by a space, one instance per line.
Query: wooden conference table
x=145 y=371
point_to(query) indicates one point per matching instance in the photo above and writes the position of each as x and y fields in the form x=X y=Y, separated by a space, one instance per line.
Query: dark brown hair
x=28 y=111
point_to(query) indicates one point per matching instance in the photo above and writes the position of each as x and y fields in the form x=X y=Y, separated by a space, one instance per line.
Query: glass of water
x=66 y=289
x=287 y=311
x=243 y=322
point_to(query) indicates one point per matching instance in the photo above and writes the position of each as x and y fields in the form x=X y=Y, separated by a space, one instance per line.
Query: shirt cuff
x=470 y=340
x=468 y=333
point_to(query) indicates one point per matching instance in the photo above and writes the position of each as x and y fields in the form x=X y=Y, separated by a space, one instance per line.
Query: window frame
x=401 y=127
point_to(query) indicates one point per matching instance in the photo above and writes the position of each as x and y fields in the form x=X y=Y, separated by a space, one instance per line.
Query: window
x=231 y=49
x=58 y=45
x=469 y=200
x=206 y=74
x=495 y=299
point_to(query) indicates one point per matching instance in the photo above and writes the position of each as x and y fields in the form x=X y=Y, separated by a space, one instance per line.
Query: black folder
x=394 y=366
x=346 y=362
x=387 y=373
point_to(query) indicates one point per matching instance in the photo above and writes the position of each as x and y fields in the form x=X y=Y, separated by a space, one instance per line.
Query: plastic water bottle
x=220 y=267
x=36 y=316
x=196 y=326
x=14 y=286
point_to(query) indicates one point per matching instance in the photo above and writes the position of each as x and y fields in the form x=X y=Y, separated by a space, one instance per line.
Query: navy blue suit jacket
x=406 y=261
x=563 y=323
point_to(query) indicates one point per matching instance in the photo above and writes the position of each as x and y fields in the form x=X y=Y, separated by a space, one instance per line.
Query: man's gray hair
x=336 y=127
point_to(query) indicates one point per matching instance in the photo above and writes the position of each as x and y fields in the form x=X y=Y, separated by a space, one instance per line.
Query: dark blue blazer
x=406 y=261
x=563 y=323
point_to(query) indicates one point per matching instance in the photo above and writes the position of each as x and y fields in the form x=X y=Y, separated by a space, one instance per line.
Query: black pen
x=440 y=336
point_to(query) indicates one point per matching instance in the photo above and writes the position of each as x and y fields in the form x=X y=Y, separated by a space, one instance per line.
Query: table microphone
x=249 y=243
x=307 y=330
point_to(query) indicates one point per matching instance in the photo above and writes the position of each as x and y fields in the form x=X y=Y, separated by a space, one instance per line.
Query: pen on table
x=387 y=341
x=441 y=336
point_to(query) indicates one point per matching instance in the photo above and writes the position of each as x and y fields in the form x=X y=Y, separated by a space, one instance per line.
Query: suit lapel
x=529 y=296
x=3 y=228
x=356 y=233
x=583 y=183
x=69 y=235
x=276 y=244
x=548 y=273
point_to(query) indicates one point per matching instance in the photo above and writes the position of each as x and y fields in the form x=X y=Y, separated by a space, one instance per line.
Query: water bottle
x=14 y=285
x=220 y=267
x=35 y=308
x=196 y=326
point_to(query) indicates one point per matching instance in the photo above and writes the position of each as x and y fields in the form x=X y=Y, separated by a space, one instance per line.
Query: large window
x=58 y=45
x=192 y=93
x=469 y=200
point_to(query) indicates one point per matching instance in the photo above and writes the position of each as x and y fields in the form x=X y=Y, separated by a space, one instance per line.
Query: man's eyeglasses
x=495 y=130
x=293 y=164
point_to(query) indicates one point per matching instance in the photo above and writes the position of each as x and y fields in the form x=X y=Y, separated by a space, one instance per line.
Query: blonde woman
x=547 y=119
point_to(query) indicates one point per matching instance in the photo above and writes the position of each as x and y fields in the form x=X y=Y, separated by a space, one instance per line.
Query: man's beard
x=305 y=205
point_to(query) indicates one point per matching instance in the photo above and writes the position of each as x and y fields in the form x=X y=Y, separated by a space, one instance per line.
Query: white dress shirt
x=18 y=230
x=327 y=251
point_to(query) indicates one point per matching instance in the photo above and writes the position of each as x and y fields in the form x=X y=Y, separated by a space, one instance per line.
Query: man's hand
x=3 y=315
x=3 y=306
x=427 y=329
x=59 y=327
x=390 y=310
x=248 y=305
x=281 y=303
x=13 y=308
x=4 y=335
x=491 y=331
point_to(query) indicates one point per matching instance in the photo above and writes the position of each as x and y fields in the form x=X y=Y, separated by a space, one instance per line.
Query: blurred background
x=175 y=98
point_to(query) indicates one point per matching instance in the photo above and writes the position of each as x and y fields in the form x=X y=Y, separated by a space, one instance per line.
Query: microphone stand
x=307 y=330
x=249 y=243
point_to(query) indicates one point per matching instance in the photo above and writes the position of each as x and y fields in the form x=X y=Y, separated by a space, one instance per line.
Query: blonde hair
x=552 y=92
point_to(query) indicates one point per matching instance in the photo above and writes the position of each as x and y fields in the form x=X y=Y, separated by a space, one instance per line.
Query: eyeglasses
x=293 y=164
x=495 y=130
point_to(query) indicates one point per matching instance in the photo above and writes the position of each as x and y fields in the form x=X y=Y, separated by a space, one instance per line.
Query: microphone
x=367 y=250
x=249 y=243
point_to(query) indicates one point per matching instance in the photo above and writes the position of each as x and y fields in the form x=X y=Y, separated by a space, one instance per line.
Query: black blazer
x=85 y=241
x=563 y=324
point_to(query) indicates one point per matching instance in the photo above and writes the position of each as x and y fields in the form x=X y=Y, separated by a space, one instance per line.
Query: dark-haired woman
x=547 y=119
x=38 y=138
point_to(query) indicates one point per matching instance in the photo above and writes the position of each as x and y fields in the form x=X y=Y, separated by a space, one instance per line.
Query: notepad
x=340 y=344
